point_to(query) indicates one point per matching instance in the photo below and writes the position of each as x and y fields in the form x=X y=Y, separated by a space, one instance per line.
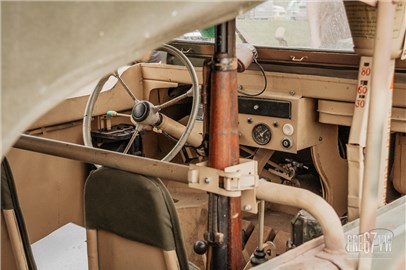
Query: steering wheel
x=145 y=115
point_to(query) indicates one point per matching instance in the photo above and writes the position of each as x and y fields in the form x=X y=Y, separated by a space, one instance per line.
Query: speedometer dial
x=261 y=134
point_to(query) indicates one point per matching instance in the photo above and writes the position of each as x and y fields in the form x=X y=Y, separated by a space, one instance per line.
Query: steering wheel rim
x=87 y=117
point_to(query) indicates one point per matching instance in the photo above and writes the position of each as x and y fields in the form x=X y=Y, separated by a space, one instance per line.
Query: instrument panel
x=282 y=123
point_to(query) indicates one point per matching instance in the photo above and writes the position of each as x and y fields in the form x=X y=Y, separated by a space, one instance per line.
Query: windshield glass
x=297 y=24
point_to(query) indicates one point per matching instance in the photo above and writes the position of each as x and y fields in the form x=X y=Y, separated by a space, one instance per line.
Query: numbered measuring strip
x=360 y=117
x=363 y=84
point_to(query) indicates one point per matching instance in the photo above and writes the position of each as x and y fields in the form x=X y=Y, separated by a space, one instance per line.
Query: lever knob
x=200 y=247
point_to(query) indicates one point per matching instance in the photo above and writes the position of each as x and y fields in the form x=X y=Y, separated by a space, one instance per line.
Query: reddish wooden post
x=224 y=213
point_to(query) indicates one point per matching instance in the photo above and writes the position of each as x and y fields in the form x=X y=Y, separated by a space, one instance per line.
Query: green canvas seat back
x=135 y=207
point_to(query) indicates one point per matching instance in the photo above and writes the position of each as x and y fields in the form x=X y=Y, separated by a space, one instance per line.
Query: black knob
x=200 y=247
x=140 y=111
x=259 y=257
x=287 y=143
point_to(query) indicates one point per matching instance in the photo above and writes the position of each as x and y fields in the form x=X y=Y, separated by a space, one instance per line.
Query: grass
x=262 y=32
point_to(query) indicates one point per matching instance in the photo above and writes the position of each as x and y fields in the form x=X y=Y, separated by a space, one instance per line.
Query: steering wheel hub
x=140 y=112
x=145 y=113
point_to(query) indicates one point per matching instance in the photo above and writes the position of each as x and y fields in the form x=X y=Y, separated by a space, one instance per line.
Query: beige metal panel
x=355 y=158
x=115 y=99
x=340 y=113
x=168 y=73
x=332 y=169
x=151 y=85
x=130 y=163
x=329 y=88
x=50 y=189
x=52 y=49
x=191 y=207
x=72 y=109
x=303 y=120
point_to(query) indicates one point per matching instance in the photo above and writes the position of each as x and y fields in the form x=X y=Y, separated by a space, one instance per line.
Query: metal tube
x=315 y=205
x=141 y=165
x=378 y=121
x=176 y=129
x=261 y=217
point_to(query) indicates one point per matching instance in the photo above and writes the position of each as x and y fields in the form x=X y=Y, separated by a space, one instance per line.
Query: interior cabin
x=203 y=135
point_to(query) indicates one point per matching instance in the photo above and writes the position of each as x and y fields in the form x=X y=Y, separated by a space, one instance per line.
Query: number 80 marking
x=365 y=71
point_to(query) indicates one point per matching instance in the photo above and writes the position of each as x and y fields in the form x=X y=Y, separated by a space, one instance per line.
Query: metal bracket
x=239 y=180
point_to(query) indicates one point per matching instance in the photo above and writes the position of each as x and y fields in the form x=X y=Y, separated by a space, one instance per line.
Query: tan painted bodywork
x=332 y=169
x=340 y=113
x=50 y=189
x=62 y=180
x=144 y=79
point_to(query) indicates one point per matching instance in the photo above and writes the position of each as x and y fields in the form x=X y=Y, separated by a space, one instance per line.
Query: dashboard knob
x=287 y=143
x=288 y=129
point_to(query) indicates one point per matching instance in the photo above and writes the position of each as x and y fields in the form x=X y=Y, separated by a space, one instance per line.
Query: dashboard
x=281 y=123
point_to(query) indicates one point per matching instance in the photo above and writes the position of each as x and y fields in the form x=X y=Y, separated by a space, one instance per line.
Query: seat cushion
x=135 y=207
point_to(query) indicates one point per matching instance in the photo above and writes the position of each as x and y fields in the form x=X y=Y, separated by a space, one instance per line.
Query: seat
x=131 y=223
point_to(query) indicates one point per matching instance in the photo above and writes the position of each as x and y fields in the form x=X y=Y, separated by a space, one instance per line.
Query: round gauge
x=261 y=134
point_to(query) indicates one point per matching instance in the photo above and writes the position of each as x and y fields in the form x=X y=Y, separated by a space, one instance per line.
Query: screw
x=292 y=93
x=320 y=139
x=207 y=180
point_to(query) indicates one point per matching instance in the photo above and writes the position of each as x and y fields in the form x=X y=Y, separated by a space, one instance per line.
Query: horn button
x=144 y=113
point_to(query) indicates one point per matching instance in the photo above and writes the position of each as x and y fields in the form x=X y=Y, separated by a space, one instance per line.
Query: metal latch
x=239 y=180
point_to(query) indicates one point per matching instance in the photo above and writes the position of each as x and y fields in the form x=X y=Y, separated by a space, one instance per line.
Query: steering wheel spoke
x=137 y=130
x=175 y=100
x=126 y=88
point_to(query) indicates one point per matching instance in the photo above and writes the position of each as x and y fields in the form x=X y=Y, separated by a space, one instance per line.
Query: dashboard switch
x=287 y=143
x=288 y=129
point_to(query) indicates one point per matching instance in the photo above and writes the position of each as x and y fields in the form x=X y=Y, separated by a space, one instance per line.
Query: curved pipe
x=315 y=205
